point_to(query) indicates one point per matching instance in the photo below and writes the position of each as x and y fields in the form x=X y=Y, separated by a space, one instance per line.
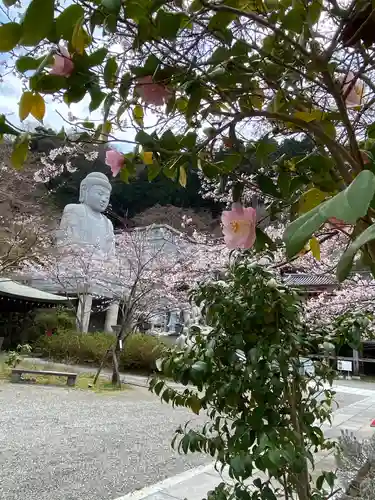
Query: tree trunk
x=302 y=480
x=101 y=365
x=116 y=382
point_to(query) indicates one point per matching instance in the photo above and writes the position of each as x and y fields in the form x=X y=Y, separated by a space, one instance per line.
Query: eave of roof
x=9 y=288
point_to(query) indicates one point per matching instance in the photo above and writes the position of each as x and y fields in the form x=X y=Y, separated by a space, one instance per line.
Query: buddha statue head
x=95 y=191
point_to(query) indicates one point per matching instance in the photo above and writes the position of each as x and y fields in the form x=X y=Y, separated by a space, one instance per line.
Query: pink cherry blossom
x=239 y=226
x=354 y=98
x=115 y=161
x=152 y=93
x=63 y=64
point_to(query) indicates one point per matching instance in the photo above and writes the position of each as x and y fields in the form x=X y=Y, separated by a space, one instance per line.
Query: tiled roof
x=305 y=279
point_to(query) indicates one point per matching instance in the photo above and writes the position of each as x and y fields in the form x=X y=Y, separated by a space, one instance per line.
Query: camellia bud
x=272 y=283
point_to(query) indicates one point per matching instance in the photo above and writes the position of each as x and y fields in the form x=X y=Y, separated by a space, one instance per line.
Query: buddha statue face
x=95 y=191
x=97 y=198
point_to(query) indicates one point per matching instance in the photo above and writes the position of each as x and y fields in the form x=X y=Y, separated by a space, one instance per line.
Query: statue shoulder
x=77 y=209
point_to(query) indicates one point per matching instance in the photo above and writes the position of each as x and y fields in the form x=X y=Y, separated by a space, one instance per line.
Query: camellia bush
x=220 y=79
x=248 y=374
x=212 y=86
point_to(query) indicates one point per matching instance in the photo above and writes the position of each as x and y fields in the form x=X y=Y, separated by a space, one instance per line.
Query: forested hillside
x=139 y=202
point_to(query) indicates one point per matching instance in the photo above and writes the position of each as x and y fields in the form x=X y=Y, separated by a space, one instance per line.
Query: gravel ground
x=63 y=444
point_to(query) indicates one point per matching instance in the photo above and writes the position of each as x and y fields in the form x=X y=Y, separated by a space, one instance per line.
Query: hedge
x=139 y=353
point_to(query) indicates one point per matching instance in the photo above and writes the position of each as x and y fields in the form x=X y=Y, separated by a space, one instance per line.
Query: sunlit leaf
x=182 y=178
x=310 y=199
x=138 y=114
x=309 y=116
x=20 y=150
x=148 y=158
x=25 y=105
x=315 y=248
x=348 y=205
x=78 y=37
x=38 y=108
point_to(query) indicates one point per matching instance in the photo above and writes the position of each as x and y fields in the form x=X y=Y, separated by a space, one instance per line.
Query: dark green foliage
x=28 y=326
x=139 y=353
x=263 y=410
x=130 y=199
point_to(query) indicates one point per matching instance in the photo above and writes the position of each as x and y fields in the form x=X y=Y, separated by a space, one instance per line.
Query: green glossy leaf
x=144 y=139
x=112 y=5
x=37 y=22
x=125 y=84
x=295 y=19
x=220 y=55
x=348 y=205
x=97 y=97
x=267 y=186
x=66 y=21
x=199 y=366
x=10 y=35
x=167 y=24
x=5 y=128
x=371 y=131
x=263 y=241
x=196 y=94
x=346 y=261
x=153 y=171
x=314 y=11
x=27 y=63
x=110 y=70
x=265 y=147
x=96 y=58
x=189 y=140
x=89 y=125
x=221 y=20
x=195 y=404
x=47 y=84
x=74 y=94
x=169 y=141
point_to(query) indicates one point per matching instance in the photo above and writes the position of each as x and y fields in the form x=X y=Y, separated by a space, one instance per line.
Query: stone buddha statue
x=84 y=223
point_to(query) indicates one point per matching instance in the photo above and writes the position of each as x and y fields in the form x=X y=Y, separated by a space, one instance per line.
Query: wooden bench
x=17 y=373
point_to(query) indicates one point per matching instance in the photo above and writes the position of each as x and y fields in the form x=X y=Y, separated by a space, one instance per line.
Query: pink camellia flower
x=63 y=64
x=152 y=93
x=354 y=98
x=239 y=226
x=115 y=161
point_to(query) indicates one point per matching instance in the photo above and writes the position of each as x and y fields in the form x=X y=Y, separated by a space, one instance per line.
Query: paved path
x=356 y=410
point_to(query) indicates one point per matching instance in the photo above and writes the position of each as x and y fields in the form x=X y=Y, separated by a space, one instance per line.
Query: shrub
x=140 y=351
x=51 y=319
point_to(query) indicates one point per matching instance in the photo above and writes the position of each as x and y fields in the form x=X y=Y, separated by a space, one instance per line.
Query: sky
x=11 y=91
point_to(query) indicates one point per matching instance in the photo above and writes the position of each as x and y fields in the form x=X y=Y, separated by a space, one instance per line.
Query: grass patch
x=84 y=381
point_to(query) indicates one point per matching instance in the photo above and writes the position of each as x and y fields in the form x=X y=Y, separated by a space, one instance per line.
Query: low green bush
x=139 y=353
